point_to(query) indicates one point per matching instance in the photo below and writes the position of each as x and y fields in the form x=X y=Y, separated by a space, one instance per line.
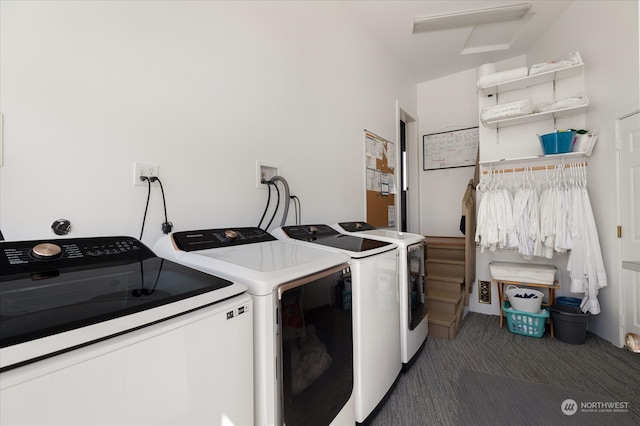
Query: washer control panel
x=356 y=226
x=39 y=255
x=309 y=232
x=217 y=238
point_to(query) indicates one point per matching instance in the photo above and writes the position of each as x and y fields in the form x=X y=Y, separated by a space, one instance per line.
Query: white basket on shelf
x=526 y=304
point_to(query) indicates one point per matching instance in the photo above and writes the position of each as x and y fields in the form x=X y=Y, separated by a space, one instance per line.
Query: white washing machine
x=374 y=299
x=100 y=331
x=414 y=324
x=303 y=334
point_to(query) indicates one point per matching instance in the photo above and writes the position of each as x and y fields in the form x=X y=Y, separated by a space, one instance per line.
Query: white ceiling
x=431 y=55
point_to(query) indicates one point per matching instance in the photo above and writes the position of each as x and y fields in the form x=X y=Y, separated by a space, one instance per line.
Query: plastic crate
x=525 y=323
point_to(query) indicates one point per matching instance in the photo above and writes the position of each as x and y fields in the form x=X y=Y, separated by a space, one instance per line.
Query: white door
x=629 y=136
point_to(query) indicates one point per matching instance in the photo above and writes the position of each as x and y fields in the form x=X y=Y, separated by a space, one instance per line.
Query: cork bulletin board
x=381 y=182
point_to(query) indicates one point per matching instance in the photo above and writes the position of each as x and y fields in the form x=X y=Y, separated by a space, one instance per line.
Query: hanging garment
x=562 y=239
x=585 y=265
x=468 y=209
x=560 y=220
x=509 y=237
x=486 y=221
x=491 y=233
x=526 y=217
x=495 y=224
x=575 y=264
x=596 y=275
x=547 y=206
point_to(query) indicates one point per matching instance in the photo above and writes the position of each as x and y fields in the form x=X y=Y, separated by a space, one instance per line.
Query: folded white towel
x=575 y=101
x=502 y=76
x=562 y=62
x=510 y=109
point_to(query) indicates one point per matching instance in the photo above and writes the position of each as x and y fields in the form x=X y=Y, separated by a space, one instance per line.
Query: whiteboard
x=455 y=148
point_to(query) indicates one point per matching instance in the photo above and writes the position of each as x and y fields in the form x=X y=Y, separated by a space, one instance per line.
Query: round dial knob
x=46 y=251
x=230 y=235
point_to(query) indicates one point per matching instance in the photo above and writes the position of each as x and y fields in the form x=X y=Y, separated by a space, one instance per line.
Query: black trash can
x=569 y=323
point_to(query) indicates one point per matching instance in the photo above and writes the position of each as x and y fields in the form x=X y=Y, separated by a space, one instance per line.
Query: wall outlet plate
x=144 y=169
x=264 y=172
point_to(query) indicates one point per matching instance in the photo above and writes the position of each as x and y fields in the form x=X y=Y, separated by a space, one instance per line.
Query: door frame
x=621 y=305
x=412 y=169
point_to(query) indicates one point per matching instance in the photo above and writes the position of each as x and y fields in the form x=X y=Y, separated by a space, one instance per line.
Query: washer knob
x=46 y=251
x=230 y=235
x=61 y=227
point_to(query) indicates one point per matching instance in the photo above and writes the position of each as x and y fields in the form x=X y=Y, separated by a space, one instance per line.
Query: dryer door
x=415 y=269
x=316 y=346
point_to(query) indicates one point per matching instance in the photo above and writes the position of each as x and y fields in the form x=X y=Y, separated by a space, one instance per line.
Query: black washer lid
x=327 y=236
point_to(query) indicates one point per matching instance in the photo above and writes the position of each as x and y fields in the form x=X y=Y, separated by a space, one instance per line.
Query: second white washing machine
x=414 y=323
x=373 y=297
x=303 y=332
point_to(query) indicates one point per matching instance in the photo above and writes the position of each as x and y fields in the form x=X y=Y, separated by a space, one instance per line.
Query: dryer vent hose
x=285 y=213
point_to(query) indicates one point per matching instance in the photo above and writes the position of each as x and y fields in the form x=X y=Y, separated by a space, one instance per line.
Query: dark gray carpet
x=490 y=399
x=486 y=373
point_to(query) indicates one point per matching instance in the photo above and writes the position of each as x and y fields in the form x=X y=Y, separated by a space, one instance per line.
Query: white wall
x=447 y=103
x=606 y=35
x=442 y=190
x=202 y=89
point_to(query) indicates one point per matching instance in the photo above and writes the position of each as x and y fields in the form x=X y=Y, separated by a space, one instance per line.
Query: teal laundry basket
x=525 y=323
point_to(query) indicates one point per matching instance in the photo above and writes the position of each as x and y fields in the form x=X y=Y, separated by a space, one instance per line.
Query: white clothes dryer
x=374 y=300
x=303 y=334
x=414 y=323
